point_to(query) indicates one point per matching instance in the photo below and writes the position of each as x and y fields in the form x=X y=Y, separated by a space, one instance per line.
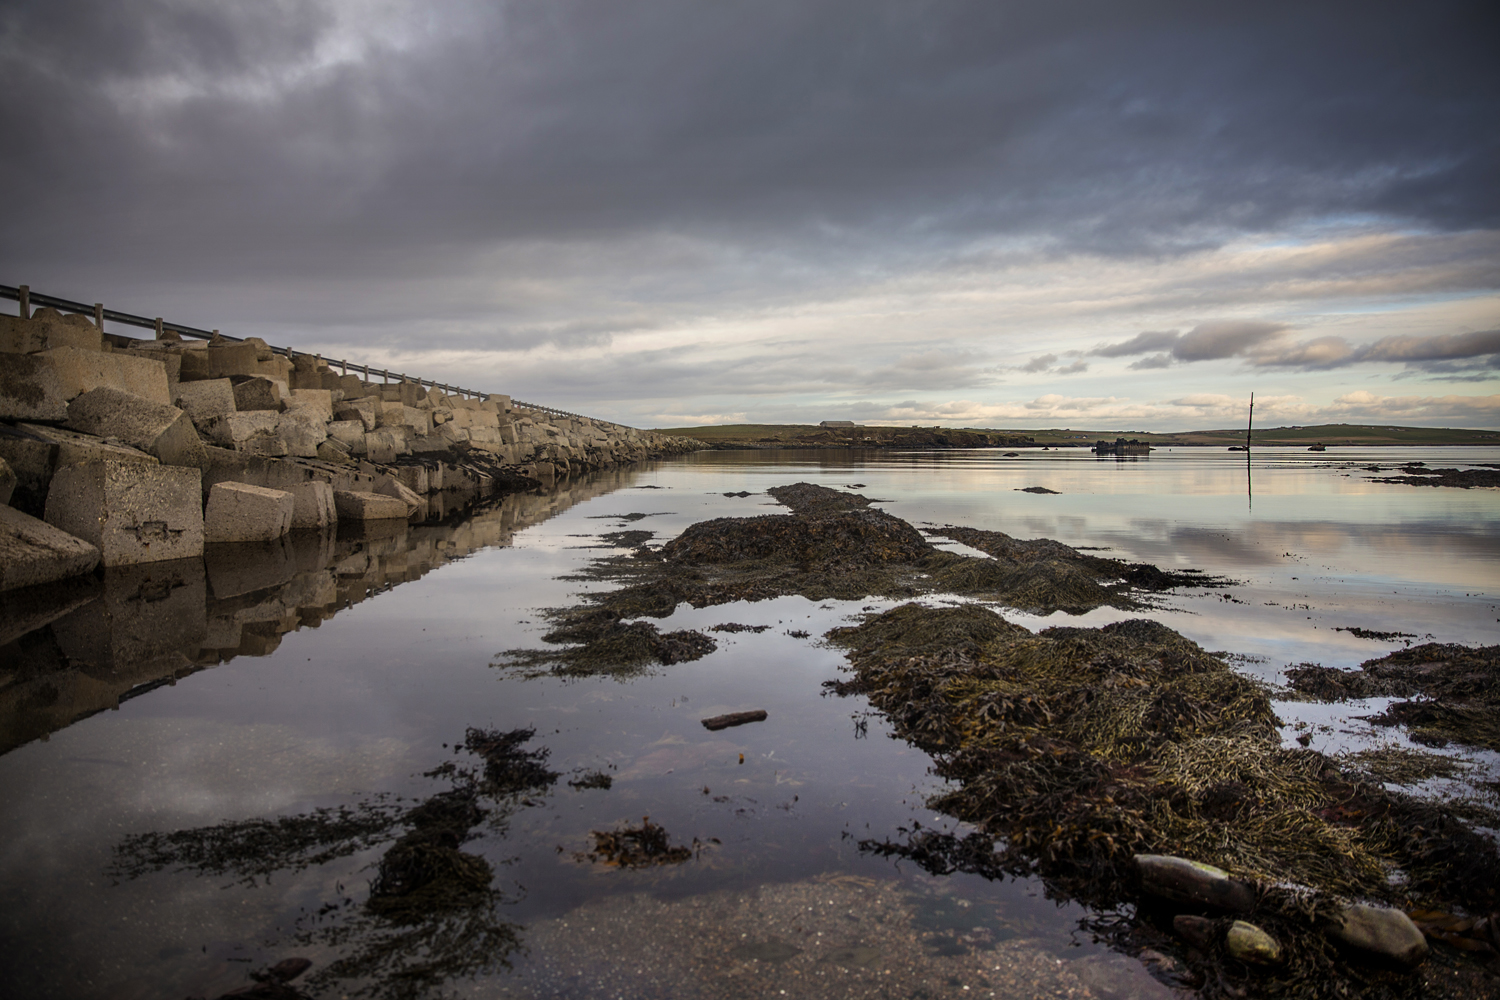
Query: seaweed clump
x=1074 y=749
x=643 y=846
x=833 y=545
x=1459 y=689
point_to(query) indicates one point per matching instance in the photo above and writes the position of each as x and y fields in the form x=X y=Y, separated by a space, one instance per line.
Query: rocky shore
x=120 y=452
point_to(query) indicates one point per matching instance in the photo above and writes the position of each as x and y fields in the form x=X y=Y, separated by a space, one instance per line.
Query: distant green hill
x=873 y=436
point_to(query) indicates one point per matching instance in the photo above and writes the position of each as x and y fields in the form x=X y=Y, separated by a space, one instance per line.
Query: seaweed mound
x=833 y=545
x=1075 y=749
x=1459 y=688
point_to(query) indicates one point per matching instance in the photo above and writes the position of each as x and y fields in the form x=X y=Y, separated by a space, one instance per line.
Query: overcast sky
x=1107 y=214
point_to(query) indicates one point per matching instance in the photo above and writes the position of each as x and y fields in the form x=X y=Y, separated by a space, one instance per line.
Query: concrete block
x=254 y=433
x=7 y=482
x=315 y=403
x=302 y=432
x=351 y=433
x=413 y=477
x=486 y=438
x=256 y=393
x=132 y=512
x=390 y=486
x=40 y=386
x=47 y=328
x=219 y=361
x=239 y=512
x=163 y=431
x=34 y=452
x=205 y=400
x=314 y=507
x=357 y=505
x=334 y=452
x=382 y=446
x=451 y=434
x=352 y=387
x=366 y=410
x=33 y=552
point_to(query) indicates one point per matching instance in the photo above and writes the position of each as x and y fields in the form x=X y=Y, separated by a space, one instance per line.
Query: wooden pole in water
x=1251 y=422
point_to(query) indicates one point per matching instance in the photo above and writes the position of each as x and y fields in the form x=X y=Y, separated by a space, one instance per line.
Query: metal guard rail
x=159 y=326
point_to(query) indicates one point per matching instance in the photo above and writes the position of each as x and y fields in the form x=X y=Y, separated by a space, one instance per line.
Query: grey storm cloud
x=1268 y=345
x=238 y=141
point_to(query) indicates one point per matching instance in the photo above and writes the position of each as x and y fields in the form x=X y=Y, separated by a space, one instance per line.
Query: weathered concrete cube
x=254 y=433
x=35 y=451
x=413 y=477
x=239 y=512
x=366 y=410
x=205 y=400
x=334 y=452
x=314 y=505
x=47 y=328
x=352 y=387
x=350 y=433
x=256 y=393
x=382 y=446
x=163 y=431
x=40 y=386
x=392 y=487
x=33 y=552
x=357 y=505
x=314 y=403
x=130 y=511
x=219 y=361
x=302 y=432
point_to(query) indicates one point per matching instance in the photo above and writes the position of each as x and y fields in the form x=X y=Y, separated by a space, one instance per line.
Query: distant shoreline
x=742 y=437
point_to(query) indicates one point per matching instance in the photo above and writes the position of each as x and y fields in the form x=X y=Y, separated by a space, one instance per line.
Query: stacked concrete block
x=132 y=512
x=349 y=433
x=47 y=328
x=301 y=432
x=357 y=505
x=382 y=446
x=314 y=403
x=365 y=409
x=33 y=552
x=35 y=452
x=157 y=429
x=390 y=486
x=40 y=386
x=256 y=392
x=239 y=512
x=205 y=400
x=313 y=506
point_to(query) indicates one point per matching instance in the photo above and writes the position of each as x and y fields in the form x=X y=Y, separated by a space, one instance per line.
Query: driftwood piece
x=734 y=719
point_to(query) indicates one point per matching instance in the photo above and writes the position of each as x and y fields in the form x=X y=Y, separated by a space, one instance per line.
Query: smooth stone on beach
x=33 y=552
x=1185 y=881
x=1196 y=931
x=1251 y=945
x=1381 y=931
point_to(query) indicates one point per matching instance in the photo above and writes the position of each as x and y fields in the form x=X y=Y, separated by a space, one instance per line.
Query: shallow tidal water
x=330 y=672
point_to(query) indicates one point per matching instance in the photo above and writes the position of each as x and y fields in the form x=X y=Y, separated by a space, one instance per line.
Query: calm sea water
x=271 y=683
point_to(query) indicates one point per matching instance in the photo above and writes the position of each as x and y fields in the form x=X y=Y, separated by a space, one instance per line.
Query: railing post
x=158 y=328
x=24 y=294
x=99 y=316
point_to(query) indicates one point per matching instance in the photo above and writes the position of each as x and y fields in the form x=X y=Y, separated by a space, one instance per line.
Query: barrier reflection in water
x=71 y=650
